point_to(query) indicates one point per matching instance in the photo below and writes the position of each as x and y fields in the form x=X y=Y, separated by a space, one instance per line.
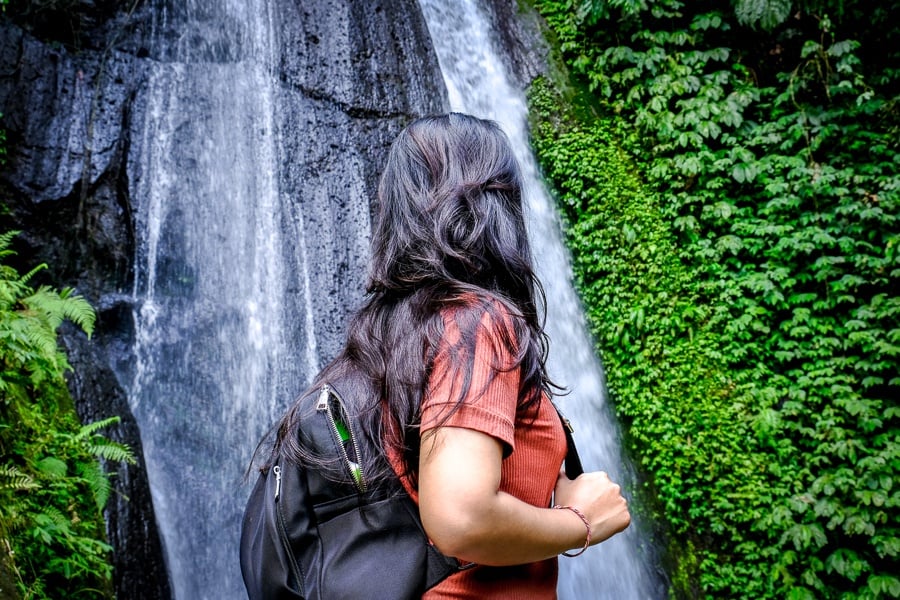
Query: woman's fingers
x=599 y=498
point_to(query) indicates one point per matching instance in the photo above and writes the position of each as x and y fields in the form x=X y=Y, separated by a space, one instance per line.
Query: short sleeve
x=491 y=397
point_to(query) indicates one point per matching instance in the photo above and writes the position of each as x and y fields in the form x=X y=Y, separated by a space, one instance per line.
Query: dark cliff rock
x=63 y=113
x=73 y=90
x=353 y=74
x=521 y=33
x=140 y=570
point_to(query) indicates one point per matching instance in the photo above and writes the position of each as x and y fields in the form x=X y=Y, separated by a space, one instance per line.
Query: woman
x=451 y=341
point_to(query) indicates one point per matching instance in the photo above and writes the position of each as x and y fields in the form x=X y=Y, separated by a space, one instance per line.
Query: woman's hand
x=601 y=501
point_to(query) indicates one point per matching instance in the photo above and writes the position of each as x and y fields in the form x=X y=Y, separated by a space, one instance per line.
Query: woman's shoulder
x=480 y=306
x=481 y=313
x=486 y=321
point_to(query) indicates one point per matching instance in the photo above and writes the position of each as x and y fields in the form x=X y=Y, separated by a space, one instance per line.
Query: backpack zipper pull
x=277 y=470
x=322 y=403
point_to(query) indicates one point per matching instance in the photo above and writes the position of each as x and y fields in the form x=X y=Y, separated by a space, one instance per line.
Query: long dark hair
x=449 y=239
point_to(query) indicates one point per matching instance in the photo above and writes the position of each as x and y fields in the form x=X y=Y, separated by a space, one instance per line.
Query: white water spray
x=209 y=284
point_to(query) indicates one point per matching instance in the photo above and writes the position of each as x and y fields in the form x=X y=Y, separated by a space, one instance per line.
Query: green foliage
x=762 y=250
x=52 y=488
x=768 y=14
x=665 y=370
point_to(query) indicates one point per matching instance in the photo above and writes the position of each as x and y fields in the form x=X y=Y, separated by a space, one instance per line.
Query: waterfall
x=254 y=145
x=251 y=165
x=621 y=568
x=210 y=283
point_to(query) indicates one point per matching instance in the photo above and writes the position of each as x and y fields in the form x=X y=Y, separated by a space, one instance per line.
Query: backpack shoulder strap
x=573 y=461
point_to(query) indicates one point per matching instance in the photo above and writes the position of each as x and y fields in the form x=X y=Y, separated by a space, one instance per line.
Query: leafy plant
x=761 y=145
x=52 y=487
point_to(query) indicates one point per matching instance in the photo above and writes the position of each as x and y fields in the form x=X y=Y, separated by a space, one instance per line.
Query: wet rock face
x=519 y=30
x=139 y=566
x=321 y=38
x=54 y=101
x=352 y=74
x=71 y=23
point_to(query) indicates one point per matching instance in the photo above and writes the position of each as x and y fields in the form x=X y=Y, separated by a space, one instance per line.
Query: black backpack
x=323 y=533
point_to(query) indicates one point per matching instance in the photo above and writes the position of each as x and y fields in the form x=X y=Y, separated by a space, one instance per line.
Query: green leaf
x=846 y=563
x=884 y=585
x=52 y=467
x=12 y=478
x=768 y=14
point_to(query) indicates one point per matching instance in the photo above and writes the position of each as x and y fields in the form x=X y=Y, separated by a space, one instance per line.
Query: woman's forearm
x=503 y=530
x=466 y=515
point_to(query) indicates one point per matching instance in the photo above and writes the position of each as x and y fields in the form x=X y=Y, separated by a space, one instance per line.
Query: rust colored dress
x=534 y=448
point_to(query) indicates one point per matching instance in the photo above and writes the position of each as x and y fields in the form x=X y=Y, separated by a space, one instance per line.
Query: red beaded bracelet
x=587 y=538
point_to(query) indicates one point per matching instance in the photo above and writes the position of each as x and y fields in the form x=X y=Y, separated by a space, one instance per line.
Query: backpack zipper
x=282 y=532
x=323 y=405
x=277 y=470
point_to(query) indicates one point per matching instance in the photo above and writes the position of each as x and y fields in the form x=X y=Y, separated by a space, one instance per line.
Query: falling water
x=623 y=567
x=224 y=318
x=210 y=283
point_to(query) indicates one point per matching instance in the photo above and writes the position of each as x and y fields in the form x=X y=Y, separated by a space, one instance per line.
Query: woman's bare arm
x=466 y=515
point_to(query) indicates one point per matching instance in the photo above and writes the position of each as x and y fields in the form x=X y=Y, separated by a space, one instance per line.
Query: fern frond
x=40 y=338
x=79 y=311
x=52 y=467
x=52 y=518
x=91 y=428
x=110 y=450
x=102 y=447
x=62 y=305
x=24 y=279
x=98 y=482
x=5 y=240
x=45 y=304
x=11 y=289
x=14 y=479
